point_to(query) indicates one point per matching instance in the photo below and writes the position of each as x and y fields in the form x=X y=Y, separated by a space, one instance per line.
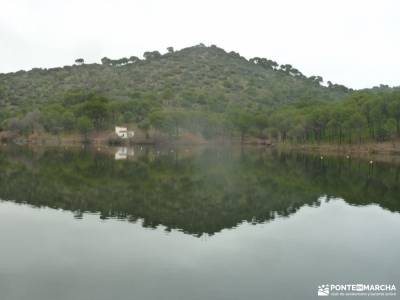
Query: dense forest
x=202 y=90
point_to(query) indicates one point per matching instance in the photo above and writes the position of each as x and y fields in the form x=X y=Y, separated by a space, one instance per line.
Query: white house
x=123 y=132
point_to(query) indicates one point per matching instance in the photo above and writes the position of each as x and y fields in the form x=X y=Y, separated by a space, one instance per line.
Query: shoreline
x=383 y=152
x=392 y=148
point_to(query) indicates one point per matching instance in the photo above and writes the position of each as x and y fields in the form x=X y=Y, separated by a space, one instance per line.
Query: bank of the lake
x=385 y=151
x=108 y=137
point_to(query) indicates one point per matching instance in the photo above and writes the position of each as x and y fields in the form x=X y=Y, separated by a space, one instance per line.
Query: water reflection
x=197 y=191
x=123 y=153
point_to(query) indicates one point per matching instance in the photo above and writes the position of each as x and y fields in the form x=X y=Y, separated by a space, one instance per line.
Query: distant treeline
x=363 y=116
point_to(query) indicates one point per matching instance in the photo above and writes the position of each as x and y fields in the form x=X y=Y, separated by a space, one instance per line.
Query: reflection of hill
x=197 y=194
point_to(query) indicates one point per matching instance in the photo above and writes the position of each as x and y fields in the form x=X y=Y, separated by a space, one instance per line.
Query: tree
x=265 y=63
x=145 y=125
x=84 y=126
x=106 y=61
x=242 y=121
x=390 y=128
x=134 y=59
x=355 y=124
x=168 y=121
x=16 y=125
x=261 y=122
x=378 y=119
x=365 y=107
x=282 y=120
x=123 y=61
x=80 y=61
x=286 y=68
x=394 y=109
x=170 y=49
x=316 y=79
x=148 y=55
x=317 y=120
x=26 y=125
x=338 y=116
x=96 y=109
x=67 y=120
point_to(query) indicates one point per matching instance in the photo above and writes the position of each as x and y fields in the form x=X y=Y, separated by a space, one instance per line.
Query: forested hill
x=199 y=90
x=196 y=77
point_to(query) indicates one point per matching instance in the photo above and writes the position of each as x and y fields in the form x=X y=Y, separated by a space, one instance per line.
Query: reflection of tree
x=197 y=194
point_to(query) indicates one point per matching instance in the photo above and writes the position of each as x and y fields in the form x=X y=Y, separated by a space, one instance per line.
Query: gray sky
x=352 y=42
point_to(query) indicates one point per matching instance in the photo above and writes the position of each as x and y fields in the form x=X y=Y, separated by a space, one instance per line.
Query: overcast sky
x=352 y=42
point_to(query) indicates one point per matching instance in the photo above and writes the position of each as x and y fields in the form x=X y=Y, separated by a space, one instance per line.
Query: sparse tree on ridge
x=80 y=61
x=134 y=59
x=106 y=61
x=148 y=55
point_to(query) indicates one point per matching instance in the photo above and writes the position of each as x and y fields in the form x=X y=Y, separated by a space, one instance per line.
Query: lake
x=193 y=223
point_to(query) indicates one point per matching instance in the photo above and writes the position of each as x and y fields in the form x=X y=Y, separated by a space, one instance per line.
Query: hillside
x=195 y=77
x=201 y=91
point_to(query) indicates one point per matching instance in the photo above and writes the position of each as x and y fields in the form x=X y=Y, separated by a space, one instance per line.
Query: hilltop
x=194 y=77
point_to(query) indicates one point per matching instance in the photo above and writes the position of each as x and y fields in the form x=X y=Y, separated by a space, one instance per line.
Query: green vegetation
x=202 y=90
x=362 y=116
x=195 y=192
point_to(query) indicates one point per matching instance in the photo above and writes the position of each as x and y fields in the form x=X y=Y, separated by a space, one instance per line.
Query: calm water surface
x=193 y=224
